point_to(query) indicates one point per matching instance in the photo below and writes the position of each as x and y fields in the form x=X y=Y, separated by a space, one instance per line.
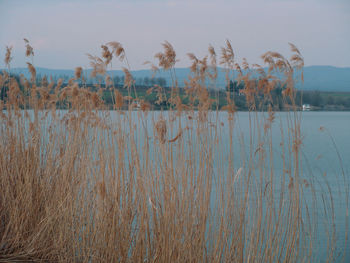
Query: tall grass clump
x=81 y=182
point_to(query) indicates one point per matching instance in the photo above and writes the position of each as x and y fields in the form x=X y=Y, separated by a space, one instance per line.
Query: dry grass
x=89 y=185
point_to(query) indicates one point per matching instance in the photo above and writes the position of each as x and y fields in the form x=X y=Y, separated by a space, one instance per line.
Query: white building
x=306 y=107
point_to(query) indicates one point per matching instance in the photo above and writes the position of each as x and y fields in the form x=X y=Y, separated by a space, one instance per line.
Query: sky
x=62 y=32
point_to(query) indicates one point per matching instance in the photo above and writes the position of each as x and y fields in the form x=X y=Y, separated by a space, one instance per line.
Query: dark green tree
x=316 y=99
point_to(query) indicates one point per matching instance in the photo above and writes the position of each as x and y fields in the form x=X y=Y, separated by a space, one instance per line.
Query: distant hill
x=327 y=78
x=322 y=78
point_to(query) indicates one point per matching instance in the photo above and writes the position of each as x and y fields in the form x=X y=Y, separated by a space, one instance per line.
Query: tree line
x=117 y=80
x=316 y=99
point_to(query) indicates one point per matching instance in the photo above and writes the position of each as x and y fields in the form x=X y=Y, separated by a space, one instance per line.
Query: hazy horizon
x=145 y=68
x=62 y=32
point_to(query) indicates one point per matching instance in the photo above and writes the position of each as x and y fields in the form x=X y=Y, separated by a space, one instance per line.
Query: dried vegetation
x=91 y=185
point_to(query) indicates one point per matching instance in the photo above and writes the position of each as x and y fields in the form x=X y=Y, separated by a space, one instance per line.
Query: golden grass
x=90 y=185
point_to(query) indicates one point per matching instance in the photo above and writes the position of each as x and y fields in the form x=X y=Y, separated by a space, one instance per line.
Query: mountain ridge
x=316 y=77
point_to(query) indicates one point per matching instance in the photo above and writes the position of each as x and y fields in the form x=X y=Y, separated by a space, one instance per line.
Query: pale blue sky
x=62 y=32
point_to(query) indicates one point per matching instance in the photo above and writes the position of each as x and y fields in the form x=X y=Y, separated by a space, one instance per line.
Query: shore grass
x=92 y=185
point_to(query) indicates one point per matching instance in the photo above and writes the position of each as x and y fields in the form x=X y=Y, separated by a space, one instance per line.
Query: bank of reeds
x=91 y=185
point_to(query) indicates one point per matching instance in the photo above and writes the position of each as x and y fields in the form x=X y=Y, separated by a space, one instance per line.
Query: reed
x=92 y=185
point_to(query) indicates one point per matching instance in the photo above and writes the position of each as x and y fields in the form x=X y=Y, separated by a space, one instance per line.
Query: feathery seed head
x=32 y=71
x=117 y=49
x=161 y=130
x=78 y=71
x=8 y=57
x=29 y=48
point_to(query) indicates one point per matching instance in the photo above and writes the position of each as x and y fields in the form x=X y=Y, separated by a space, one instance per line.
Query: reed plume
x=86 y=179
x=8 y=57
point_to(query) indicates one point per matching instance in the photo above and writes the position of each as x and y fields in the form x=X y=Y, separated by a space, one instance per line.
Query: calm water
x=318 y=146
x=325 y=154
x=325 y=158
x=325 y=161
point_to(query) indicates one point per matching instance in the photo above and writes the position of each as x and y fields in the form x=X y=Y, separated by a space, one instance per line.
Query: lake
x=238 y=146
x=325 y=159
